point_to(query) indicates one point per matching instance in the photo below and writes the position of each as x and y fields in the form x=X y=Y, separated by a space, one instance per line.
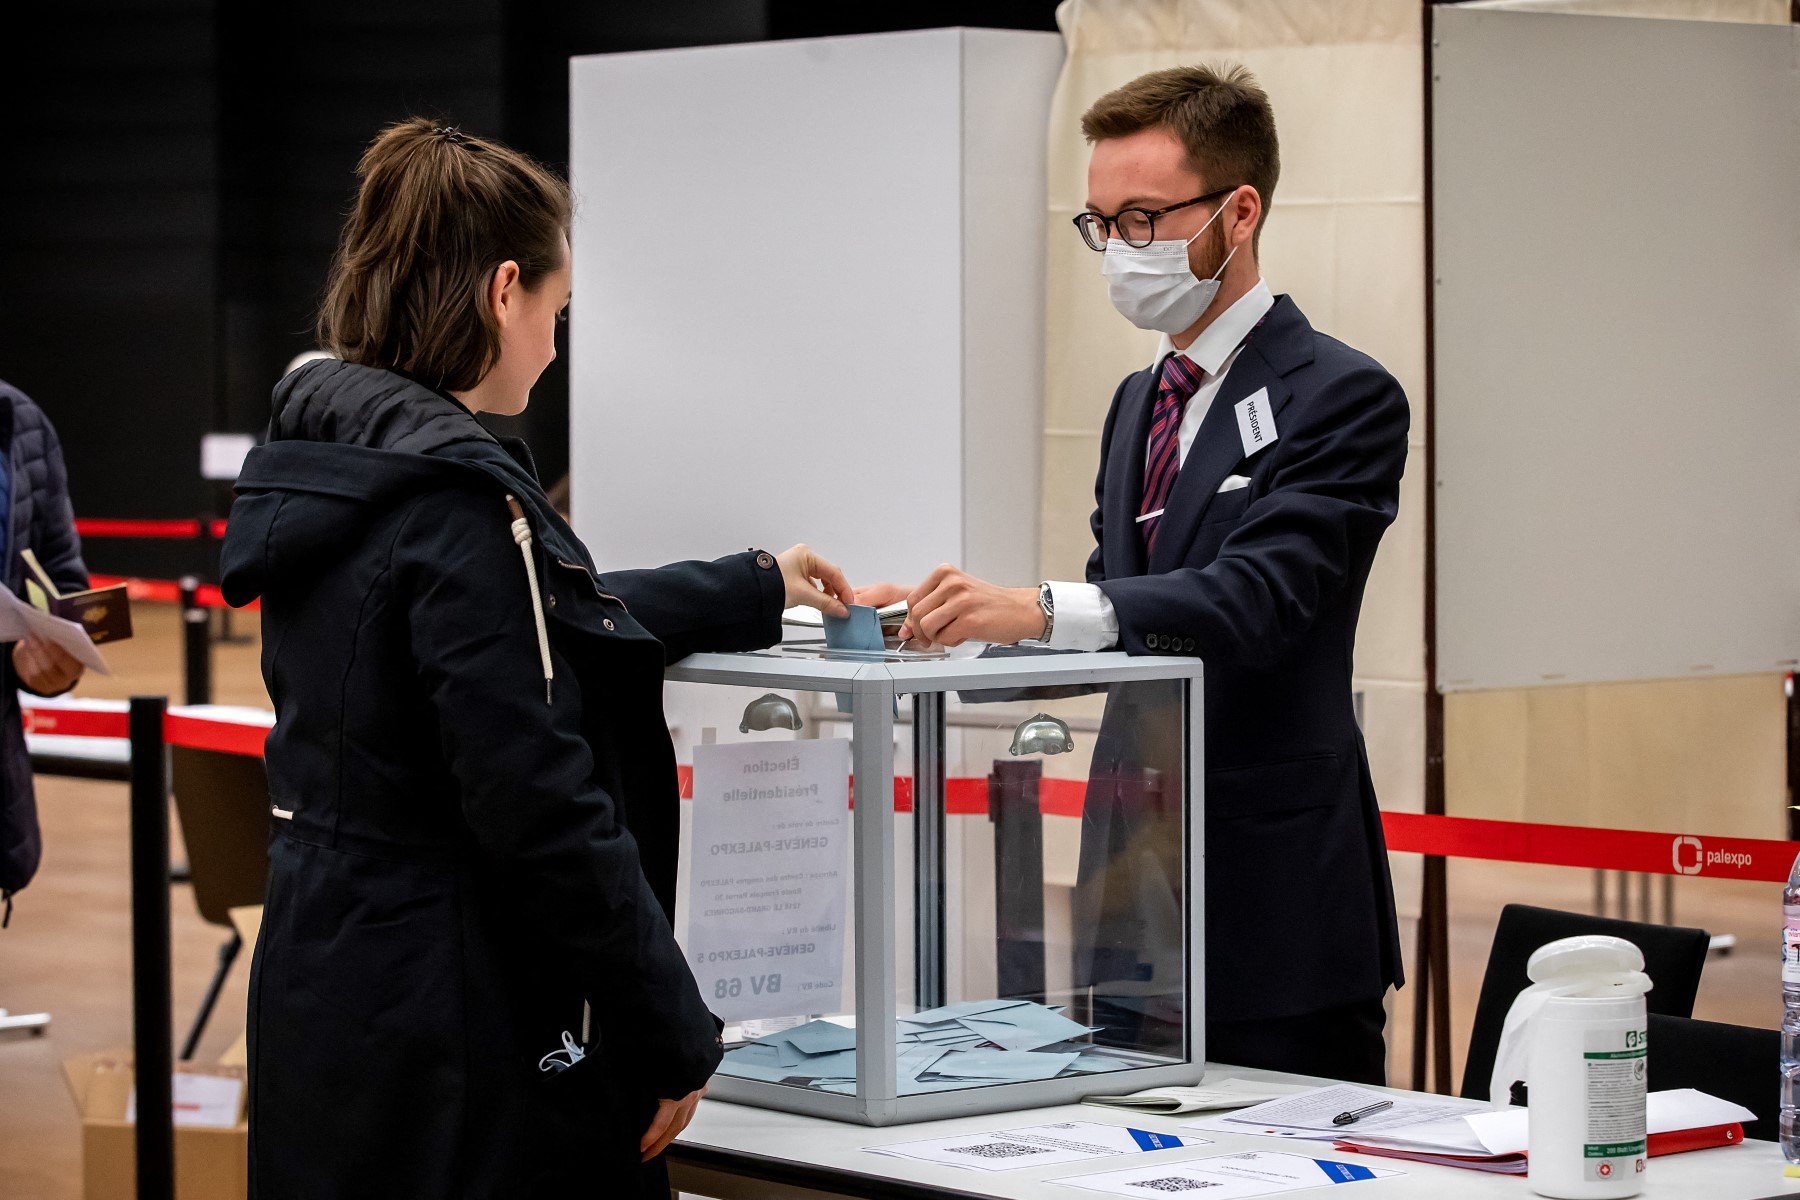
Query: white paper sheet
x=17 y=618
x=767 y=891
x=1225 y=1093
x=1255 y=1173
x=1309 y=1114
x=201 y=1101
x=1037 y=1146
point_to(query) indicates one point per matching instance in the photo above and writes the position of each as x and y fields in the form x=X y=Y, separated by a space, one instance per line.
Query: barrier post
x=196 y=645
x=151 y=1002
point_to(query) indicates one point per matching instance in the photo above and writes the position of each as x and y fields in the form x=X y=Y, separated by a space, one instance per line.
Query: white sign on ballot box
x=770 y=856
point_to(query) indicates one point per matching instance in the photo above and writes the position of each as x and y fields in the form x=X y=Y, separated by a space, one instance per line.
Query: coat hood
x=345 y=444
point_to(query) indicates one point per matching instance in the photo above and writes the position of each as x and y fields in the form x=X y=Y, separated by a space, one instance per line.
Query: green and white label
x=1616 y=1066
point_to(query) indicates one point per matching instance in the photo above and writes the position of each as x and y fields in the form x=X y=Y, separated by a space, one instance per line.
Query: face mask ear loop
x=1226 y=263
x=1217 y=213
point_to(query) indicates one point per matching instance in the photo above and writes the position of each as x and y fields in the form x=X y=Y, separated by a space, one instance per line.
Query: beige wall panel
x=1393 y=646
x=1486 y=751
x=1071 y=462
x=1394 y=728
x=1378 y=252
x=1751 y=12
x=1699 y=755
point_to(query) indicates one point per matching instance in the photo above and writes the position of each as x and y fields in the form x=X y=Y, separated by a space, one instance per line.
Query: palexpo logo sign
x=1691 y=857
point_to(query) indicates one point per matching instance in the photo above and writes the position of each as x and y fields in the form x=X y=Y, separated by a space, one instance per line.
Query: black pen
x=1357 y=1114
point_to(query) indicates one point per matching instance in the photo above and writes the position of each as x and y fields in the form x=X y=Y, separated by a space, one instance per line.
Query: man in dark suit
x=1244 y=484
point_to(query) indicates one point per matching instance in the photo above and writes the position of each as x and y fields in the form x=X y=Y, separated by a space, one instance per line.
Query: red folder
x=1673 y=1142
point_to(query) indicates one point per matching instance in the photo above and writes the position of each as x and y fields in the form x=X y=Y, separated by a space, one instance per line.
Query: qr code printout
x=997 y=1149
x=1174 y=1183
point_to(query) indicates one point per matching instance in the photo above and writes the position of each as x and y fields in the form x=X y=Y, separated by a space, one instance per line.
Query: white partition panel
x=1617 y=347
x=808 y=300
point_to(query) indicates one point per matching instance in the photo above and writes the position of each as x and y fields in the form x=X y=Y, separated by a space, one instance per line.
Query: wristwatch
x=1047 y=602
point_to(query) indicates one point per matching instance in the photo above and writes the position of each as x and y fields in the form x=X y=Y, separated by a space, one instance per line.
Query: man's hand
x=952 y=607
x=672 y=1116
x=800 y=567
x=45 y=667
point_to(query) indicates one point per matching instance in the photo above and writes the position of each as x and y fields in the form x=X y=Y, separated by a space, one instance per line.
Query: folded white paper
x=1036 y=1146
x=1230 y=1176
x=1226 y=1093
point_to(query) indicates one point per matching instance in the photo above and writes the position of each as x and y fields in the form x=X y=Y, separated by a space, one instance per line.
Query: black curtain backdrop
x=176 y=172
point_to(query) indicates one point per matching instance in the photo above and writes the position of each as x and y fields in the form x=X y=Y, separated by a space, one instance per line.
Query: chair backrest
x=222 y=801
x=1673 y=958
x=1732 y=1062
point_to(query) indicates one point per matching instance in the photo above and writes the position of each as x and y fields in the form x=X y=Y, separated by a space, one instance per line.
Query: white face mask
x=1153 y=288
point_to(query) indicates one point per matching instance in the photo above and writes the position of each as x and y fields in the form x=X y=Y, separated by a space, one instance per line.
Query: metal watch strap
x=1047 y=602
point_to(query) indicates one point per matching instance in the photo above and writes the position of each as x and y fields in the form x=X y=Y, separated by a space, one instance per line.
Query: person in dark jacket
x=36 y=516
x=472 y=862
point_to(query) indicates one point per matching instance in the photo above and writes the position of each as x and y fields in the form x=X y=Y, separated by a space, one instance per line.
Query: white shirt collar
x=1218 y=341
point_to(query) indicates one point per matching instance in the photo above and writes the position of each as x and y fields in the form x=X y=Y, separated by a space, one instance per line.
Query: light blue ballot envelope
x=861 y=630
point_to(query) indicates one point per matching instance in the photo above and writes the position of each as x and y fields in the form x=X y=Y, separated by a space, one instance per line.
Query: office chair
x=1732 y=1062
x=222 y=801
x=1673 y=957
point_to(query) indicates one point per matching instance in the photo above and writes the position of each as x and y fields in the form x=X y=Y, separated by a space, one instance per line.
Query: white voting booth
x=809 y=300
x=809 y=306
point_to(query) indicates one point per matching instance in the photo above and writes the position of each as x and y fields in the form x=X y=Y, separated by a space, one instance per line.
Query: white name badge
x=1256 y=421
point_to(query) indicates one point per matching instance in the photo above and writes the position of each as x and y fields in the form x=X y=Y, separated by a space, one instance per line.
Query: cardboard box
x=210 y=1163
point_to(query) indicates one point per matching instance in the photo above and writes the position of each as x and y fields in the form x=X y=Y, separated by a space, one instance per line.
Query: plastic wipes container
x=1586 y=1068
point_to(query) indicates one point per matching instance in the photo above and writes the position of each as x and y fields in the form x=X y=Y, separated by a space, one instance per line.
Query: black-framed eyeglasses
x=1136 y=226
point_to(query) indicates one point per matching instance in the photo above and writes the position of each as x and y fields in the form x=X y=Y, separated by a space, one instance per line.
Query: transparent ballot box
x=917 y=885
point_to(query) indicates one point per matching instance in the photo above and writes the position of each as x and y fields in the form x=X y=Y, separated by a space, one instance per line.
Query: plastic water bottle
x=1790 y=1015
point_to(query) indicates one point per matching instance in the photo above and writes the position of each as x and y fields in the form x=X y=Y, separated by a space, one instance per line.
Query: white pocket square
x=1234 y=482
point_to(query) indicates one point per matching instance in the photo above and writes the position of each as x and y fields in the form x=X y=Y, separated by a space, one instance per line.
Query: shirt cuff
x=1085 y=619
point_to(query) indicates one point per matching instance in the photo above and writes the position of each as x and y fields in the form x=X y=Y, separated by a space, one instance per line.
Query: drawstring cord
x=521 y=531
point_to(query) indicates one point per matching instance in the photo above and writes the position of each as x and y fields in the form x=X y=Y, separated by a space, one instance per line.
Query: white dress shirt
x=1085 y=619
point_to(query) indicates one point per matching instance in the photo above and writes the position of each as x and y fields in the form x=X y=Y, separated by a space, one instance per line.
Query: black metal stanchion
x=196 y=645
x=151 y=1004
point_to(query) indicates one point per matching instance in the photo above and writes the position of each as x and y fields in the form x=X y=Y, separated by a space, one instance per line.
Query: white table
x=735 y=1152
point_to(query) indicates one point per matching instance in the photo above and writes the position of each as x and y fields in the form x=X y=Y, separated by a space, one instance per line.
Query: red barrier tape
x=179 y=729
x=105 y=527
x=1635 y=850
x=168 y=591
x=225 y=737
x=76 y=722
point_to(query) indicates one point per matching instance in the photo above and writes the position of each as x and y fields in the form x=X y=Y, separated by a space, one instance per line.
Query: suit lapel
x=1125 y=478
x=1280 y=345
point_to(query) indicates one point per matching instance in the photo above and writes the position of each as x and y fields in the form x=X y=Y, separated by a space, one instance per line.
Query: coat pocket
x=597 y=1104
x=1312 y=781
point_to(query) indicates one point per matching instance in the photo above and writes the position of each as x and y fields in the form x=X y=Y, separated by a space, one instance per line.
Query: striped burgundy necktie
x=1180 y=380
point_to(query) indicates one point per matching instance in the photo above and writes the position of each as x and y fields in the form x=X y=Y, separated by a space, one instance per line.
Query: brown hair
x=1219 y=114
x=437 y=210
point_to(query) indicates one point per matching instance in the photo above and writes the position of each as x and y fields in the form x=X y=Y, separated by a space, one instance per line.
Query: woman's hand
x=45 y=667
x=800 y=567
x=672 y=1116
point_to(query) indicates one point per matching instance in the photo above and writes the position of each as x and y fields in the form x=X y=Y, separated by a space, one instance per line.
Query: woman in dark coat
x=35 y=515
x=474 y=790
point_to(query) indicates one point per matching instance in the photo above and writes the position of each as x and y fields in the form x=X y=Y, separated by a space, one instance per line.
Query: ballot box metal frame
x=875 y=681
